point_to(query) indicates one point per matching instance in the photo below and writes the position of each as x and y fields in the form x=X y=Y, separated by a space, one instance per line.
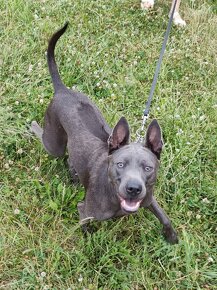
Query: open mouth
x=130 y=205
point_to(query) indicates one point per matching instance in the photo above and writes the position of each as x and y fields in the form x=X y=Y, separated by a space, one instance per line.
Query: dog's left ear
x=120 y=135
x=154 y=138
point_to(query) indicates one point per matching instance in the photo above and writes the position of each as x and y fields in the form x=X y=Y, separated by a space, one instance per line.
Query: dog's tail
x=57 y=83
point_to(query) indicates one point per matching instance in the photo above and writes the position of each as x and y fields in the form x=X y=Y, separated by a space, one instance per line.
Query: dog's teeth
x=130 y=206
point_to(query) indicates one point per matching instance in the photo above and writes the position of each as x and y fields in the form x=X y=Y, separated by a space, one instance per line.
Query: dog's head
x=133 y=167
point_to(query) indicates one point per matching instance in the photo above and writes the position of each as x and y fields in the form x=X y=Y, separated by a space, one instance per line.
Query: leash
x=140 y=138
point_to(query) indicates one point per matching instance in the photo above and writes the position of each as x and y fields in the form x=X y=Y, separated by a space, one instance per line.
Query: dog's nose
x=133 y=188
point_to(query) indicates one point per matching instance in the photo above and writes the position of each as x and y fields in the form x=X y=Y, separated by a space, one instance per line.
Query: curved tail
x=57 y=83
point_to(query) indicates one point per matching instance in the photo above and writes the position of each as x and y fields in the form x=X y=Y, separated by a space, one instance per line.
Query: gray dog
x=118 y=176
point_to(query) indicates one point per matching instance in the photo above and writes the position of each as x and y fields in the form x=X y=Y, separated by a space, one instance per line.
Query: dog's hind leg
x=37 y=130
x=53 y=137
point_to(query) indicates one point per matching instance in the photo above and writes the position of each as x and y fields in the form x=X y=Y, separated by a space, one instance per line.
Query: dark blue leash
x=154 y=82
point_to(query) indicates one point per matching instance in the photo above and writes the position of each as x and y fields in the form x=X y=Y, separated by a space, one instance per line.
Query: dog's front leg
x=84 y=219
x=168 y=231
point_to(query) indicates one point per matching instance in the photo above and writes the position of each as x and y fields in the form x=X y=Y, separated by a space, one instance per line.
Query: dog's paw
x=170 y=235
x=177 y=20
x=88 y=229
x=147 y=4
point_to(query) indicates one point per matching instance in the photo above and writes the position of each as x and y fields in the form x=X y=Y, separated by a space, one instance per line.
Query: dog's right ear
x=120 y=135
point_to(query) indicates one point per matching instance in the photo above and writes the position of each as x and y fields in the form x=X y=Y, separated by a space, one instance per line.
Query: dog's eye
x=148 y=168
x=120 y=164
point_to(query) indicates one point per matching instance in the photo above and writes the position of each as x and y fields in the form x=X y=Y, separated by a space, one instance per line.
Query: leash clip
x=140 y=136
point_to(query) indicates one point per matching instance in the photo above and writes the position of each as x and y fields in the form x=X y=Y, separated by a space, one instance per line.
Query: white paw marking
x=147 y=4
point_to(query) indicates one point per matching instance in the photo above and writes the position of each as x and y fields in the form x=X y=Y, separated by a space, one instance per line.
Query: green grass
x=109 y=52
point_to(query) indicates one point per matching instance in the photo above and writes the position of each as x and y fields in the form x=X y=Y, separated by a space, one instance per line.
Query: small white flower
x=205 y=200
x=41 y=101
x=158 y=108
x=177 y=116
x=198 y=216
x=36 y=16
x=16 y=211
x=189 y=213
x=80 y=279
x=6 y=166
x=43 y=274
x=135 y=62
x=36 y=168
x=93 y=63
x=180 y=131
x=203 y=117
x=210 y=260
x=10 y=162
x=17 y=103
x=98 y=84
x=112 y=95
x=115 y=85
x=173 y=179
x=193 y=117
x=30 y=67
x=188 y=143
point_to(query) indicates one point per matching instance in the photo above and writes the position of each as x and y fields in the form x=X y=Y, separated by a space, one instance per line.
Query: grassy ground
x=109 y=52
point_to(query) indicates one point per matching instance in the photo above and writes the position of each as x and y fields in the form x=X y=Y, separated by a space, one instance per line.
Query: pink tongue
x=130 y=205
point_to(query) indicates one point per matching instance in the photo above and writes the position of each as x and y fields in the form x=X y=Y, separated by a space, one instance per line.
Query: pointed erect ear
x=120 y=135
x=154 y=138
